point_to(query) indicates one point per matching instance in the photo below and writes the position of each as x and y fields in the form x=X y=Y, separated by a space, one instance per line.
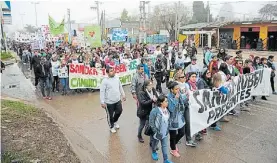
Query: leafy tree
x=124 y=15
x=268 y=11
x=30 y=29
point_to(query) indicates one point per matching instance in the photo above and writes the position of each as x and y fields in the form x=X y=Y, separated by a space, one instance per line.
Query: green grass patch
x=6 y=55
x=8 y=157
x=18 y=108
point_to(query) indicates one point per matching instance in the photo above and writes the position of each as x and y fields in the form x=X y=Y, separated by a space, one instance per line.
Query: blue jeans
x=64 y=83
x=154 y=143
x=44 y=84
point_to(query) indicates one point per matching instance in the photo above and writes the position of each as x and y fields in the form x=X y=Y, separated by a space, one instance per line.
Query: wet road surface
x=250 y=137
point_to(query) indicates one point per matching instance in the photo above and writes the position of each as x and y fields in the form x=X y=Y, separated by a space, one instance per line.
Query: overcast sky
x=24 y=11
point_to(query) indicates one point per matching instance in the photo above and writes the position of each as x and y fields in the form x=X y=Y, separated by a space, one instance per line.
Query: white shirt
x=55 y=67
x=157 y=52
x=63 y=72
x=223 y=76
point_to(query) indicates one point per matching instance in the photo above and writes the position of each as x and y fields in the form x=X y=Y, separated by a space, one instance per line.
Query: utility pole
x=97 y=10
x=69 y=25
x=22 y=15
x=35 y=4
x=142 y=22
x=2 y=32
x=149 y=15
x=208 y=7
x=177 y=20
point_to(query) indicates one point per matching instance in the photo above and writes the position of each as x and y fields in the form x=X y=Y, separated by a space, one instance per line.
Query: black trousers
x=55 y=83
x=272 y=84
x=175 y=136
x=187 y=125
x=159 y=78
x=113 y=113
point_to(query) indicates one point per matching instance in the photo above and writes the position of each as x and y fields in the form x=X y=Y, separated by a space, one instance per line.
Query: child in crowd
x=63 y=75
x=218 y=84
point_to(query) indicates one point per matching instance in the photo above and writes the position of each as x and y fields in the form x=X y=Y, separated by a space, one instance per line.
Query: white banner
x=207 y=107
x=81 y=76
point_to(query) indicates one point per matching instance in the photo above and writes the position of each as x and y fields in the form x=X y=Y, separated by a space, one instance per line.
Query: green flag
x=56 y=28
x=93 y=35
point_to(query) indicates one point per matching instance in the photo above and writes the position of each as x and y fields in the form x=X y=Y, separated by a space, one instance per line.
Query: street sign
x=6 y=5
x=6 y=12
x=7 y=20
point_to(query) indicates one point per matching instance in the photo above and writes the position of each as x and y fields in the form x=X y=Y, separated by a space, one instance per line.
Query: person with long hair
x=180 y=78
x=213 y=65
x=176 y=107
x=147 y=97
x=192 y=86
x=159 y=123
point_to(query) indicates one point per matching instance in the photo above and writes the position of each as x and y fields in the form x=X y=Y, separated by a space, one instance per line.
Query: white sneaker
x=113 y=130
x=116 y=125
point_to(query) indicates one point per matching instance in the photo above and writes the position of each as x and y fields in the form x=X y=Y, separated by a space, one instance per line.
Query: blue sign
x=119 y=35
x=156 y=39
x=6 y=5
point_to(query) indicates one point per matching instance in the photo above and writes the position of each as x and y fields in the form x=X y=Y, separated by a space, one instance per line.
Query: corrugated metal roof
x=204 y=25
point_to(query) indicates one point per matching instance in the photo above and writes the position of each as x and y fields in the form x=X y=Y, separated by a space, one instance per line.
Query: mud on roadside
x=29 y=135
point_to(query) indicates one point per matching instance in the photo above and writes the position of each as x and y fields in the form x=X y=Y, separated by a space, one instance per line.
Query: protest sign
x=207 y=107
x=93 y=36
x=81 y=76
x=119 y=35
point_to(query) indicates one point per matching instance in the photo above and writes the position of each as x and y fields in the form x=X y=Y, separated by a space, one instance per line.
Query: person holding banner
x=273 y=69
x=180 y=78
x=192 y=86
x=111 y=92
x=264 y=65
x=176 y=107
x=159 y=123
x=63 y=75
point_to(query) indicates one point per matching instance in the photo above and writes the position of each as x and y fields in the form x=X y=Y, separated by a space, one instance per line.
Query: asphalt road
x=250 y=137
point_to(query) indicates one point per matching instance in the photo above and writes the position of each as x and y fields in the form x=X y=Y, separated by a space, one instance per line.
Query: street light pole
x=97 y=10
x=22 y=14
x=35 y=4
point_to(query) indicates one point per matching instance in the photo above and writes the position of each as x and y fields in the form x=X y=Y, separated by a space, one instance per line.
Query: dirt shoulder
x=29 y=135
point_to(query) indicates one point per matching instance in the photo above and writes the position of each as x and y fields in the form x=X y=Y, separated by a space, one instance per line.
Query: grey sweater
x=111 y=91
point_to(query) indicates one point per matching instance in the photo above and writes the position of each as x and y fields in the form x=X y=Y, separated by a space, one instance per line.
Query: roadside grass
x=8 y=157
x=6 y=55
x=29 y=135
x=17 y=109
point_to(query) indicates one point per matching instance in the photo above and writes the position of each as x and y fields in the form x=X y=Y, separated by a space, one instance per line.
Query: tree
x=164 y=17
x=268 y=11
x=30 y=29
x=199 y=12
x=124 y=16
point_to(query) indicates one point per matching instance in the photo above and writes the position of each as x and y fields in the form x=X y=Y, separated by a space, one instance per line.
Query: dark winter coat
x=145 y=104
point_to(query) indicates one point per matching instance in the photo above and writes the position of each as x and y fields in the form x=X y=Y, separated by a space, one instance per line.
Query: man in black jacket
x=43 y=72
x=160 y=68
x=271 y=65
x=35 y=61
x=2 y=66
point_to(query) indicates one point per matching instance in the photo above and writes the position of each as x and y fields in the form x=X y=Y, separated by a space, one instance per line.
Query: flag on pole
x=55 y=28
